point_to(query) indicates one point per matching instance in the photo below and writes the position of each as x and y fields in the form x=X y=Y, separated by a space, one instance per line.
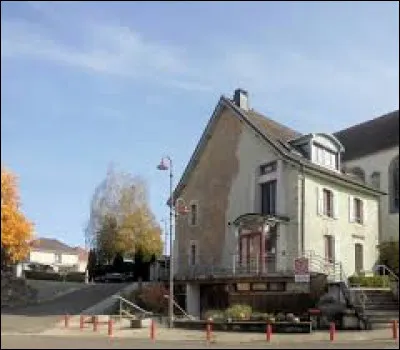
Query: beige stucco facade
x=379 y=162
x=225 y=184
x=345 y=232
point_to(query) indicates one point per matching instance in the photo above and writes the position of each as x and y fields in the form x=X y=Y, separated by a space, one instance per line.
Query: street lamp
x=164 y=221
x=166 y=164
x=163 y=166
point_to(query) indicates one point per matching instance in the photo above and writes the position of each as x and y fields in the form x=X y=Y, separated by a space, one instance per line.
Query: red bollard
x=332 y=331
x=95 y=320
x=268 y=331
x=66 y=321
x=110 y=327
x=152 y=330
x=208 y=331
x=394 y=329
x=81 y=321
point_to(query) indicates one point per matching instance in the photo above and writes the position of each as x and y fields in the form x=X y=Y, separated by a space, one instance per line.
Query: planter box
x=141 y=323
x=247 y=326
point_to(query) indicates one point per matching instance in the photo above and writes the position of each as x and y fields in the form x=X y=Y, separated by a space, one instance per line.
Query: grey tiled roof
x=371 y=136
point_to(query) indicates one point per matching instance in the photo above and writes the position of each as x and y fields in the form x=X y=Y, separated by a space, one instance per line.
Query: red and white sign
x=301 y=270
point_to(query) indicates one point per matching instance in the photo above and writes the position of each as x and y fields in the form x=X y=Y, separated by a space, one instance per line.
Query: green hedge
x=54 y=276
x=370 y=281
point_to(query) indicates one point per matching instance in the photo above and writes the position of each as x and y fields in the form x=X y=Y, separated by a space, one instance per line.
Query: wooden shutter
x=320 y=201
x=335 y=204
x=351 y=209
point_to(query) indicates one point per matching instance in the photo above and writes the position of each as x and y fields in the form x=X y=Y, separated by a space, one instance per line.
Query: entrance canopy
x=257 y=219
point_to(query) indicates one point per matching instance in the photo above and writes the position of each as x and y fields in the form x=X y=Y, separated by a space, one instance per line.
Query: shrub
x=260 y=316
x=370 y=281
x=389 y=255
x=75 y=277
x=239 y=312
x=41 y=275
x=152 y=298
x=214 y=315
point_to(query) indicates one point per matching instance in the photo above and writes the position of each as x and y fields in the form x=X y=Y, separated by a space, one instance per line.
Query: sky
x=89 y=84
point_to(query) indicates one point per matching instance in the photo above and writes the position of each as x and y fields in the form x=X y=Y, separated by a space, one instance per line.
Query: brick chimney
x=241 y=99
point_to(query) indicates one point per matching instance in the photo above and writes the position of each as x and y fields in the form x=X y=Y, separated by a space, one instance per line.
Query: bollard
x=332 y=331
x=208 y=330
x=394 y=329
x=95 y=320
x=81 y=322
x=110 y=327
x=268 y=331
x=66 y=321
x=152 y=330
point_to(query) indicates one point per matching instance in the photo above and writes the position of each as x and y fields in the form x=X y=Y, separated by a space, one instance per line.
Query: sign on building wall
x=301 y=270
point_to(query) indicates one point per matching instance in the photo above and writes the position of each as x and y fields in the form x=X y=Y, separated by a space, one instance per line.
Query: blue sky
x=89 y=84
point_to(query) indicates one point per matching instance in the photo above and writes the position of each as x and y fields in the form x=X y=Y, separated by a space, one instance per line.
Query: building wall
x=49 y=258
x=380 y=162
x=346 y=233
x=209 y=184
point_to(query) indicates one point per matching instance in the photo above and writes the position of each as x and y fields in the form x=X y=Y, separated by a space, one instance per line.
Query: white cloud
x=113 y=50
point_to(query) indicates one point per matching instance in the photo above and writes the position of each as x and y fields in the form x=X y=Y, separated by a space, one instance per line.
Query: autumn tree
x=121 y=221
x=16 y=230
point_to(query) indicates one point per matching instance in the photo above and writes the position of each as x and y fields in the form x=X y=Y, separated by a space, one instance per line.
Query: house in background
x=83 y=255
x=58 y=255
x=372 y=154
x=261 y=196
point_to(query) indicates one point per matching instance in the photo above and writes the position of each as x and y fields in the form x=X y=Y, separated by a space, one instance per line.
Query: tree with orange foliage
x=16 y=230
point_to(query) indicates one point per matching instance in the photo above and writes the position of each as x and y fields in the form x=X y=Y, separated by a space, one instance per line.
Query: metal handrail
x=126 y=301
x=179 y=308
x=386 y=268
x=391 y=273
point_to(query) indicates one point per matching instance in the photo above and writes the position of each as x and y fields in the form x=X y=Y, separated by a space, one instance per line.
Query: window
x=268 y=168
x=268 y=197
x=376 y=180
x=193 y=254
x=358 y=173
x=326 y=157
x=359 y=258
x=328 y=202
x=193 y=217
x=394 y=185
x=57 y=258
x=358 y=210
x=329 y=248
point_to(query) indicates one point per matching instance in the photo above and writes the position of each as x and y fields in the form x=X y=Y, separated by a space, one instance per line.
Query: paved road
x=37 y=318
x=58 y=342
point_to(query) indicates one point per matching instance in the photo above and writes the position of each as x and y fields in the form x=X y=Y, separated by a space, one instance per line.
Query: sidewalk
x=165 y=334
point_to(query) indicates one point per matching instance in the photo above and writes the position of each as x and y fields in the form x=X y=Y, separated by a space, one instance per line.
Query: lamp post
x=164 y=167
x=164 y=221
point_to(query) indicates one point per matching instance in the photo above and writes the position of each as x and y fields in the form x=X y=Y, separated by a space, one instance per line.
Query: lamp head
x=162 y=165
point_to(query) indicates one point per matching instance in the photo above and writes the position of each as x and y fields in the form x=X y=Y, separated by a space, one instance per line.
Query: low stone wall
x=47 y=290
x=15 y=291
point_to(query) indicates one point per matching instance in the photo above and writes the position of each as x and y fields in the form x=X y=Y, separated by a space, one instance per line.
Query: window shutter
x=335 y=205
x=320 y=201
x=337 y=249
x=364 y=211
x=351 y=209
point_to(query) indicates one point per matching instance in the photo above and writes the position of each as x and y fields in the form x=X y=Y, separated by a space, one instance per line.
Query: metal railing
x=179 y=308
x=252 y=265
x=122 y=311
x=391 y=275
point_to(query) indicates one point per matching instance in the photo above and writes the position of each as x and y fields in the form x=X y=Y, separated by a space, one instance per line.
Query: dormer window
x=325 y=157
x=322 y=149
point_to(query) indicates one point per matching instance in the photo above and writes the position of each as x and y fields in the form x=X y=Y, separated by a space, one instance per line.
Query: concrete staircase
x=381 y=307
